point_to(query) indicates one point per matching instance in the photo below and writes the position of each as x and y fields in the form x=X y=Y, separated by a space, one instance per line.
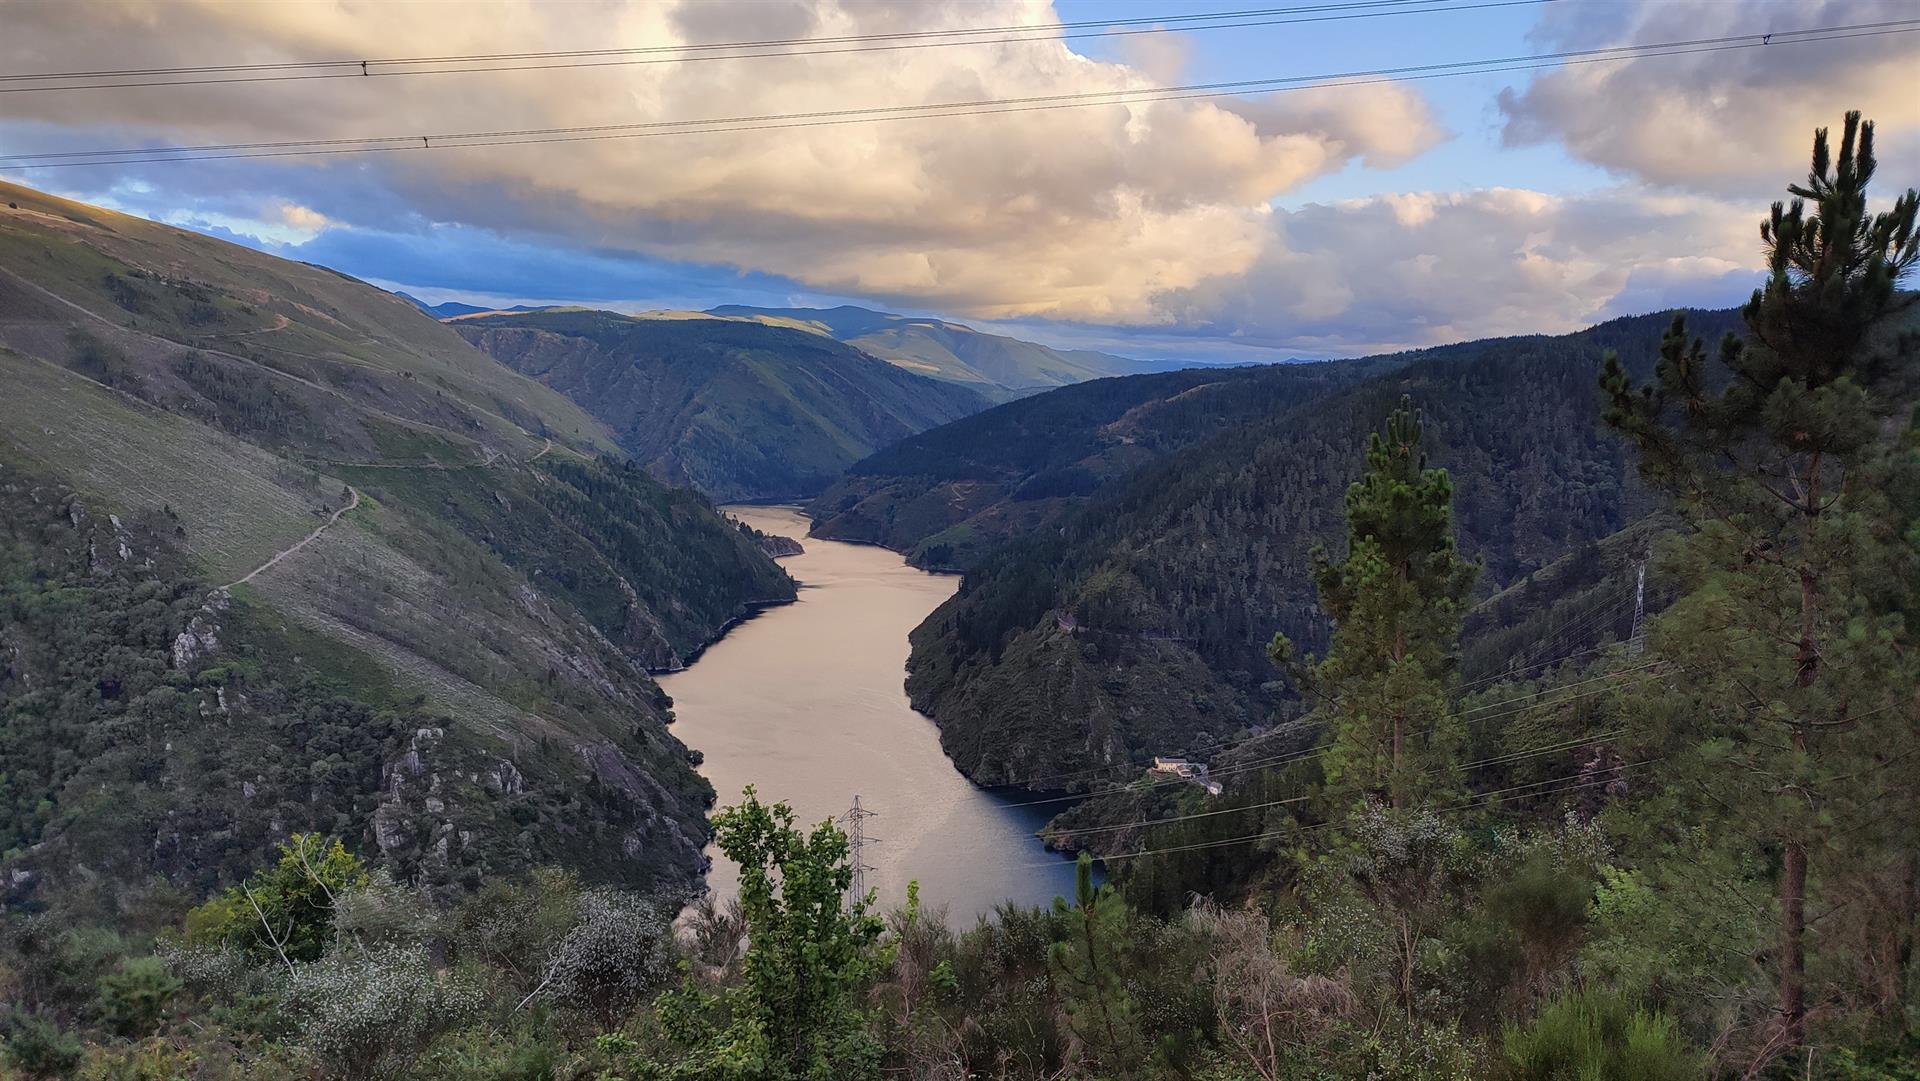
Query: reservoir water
x=806 y=703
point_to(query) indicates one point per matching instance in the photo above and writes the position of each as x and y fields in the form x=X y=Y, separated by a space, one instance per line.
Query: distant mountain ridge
x=742 y=410
x=1001 y=366
x=450 y=308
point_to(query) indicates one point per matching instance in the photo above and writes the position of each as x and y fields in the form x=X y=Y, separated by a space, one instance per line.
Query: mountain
x=741 y=410
x=998 y=366
x=946 y=495
x=280 y=553
x=1136 y=624
x=452 y=308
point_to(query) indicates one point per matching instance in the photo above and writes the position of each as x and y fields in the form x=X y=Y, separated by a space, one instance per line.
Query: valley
x=804 y=703
x=739 y=410
x=394 y=691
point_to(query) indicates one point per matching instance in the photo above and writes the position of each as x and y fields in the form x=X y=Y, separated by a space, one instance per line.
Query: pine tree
x=1395 y=603
x=1089 y=964
x=1770 y=463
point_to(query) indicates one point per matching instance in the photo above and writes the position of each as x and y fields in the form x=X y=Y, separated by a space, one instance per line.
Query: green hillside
x=945 y=496
x=249 y=497
x=738 y=409
x=1139 y=624
x=995 y=364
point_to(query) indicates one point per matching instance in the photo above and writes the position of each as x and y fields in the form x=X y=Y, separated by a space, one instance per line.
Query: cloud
x=463 y=261
x=1734 y=122
x=1428 y=268
x=1078 y=213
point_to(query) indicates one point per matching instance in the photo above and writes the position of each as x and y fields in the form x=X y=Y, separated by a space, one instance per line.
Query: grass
x=330 y=319
x=242 y=503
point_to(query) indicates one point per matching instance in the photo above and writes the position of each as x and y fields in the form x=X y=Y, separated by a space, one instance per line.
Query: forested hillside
x=1139 y=626
x=284 y=553
x=738 y=409
x=945 y=496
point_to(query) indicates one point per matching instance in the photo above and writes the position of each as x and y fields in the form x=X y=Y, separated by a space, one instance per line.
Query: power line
x=986 y=107
x=1514 y=756
x=1480 y=800
x=1614 y=680
x=292 y=71
x=1309 y=753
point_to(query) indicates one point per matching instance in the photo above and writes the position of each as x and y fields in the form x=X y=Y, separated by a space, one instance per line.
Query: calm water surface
x=805 y=702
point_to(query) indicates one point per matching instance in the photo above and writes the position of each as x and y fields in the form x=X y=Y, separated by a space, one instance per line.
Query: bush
x=152 y=1060
x=134 y=998
x=365 y=1014
x=284 y=912
x=1598 y=1036
x=619 y=952
x=39 y=1048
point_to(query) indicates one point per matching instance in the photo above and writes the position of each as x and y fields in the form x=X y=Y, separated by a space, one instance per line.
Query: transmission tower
x=854 y=823
x=1635 y=641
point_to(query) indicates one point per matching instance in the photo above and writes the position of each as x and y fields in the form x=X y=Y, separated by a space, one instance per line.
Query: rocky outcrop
x=201 y=636
x=779 y=547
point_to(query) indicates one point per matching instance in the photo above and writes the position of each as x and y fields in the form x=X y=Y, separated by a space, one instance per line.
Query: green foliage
x=798 y=1011
x=1090 y=963
x=737 y=410
x=135 y=997
x=284 y=911
x=1596 y=1036
x=1543 y=910
x=39 y=1048
x=511 y=925
x=1779 y=463
x=1395 y=603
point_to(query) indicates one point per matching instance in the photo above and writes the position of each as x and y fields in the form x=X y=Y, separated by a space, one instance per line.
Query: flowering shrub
x=620 y=951
x=364 y=1014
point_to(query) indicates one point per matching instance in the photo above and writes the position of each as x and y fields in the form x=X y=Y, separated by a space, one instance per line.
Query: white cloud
x=1735 y=122
x=1083 y=213
x=1429 y=268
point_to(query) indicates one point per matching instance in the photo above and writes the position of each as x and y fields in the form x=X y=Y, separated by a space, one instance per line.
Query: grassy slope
x=354 y=344
x=155 y=369
x=740 y=410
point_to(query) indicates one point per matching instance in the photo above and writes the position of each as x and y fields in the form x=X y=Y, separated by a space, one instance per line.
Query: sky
x=1341 y=216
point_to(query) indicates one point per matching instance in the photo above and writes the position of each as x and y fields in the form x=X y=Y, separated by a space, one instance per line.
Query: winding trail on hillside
x=352 y=502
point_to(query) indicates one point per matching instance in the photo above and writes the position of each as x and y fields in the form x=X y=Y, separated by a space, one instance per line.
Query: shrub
x=619 y=952
x=134 y=998
x=39 y=1048
x=1598 y=1036
x=284 y=912
x=365 y=1014
x=151 y=1060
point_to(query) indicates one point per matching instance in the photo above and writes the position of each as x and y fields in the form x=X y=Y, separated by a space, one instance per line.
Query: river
x=806 y=703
